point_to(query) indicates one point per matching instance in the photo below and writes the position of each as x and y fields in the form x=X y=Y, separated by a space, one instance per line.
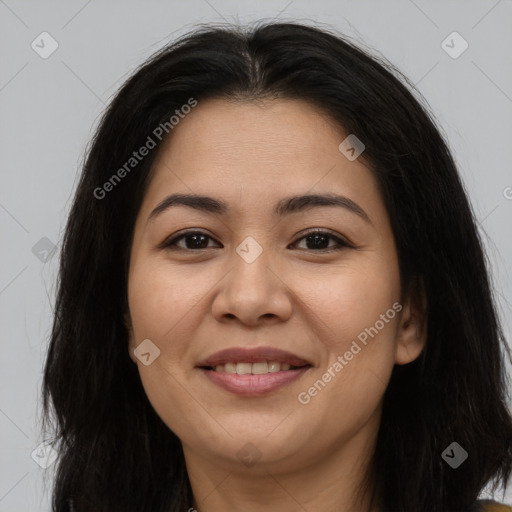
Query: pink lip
x=252 y=355
x=254 y=385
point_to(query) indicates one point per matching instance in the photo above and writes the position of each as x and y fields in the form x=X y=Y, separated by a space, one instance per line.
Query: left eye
x=316 y=239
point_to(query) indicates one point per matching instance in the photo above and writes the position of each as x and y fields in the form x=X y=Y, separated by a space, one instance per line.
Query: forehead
x=254 y=152
x=242 y=133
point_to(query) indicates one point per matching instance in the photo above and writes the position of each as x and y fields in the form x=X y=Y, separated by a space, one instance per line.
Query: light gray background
x=50 y=107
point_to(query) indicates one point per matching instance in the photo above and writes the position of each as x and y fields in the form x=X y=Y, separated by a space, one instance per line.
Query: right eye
x=198 y=239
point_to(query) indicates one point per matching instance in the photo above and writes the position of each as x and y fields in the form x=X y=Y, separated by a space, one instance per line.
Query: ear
x=412 y=333
x=131 y=337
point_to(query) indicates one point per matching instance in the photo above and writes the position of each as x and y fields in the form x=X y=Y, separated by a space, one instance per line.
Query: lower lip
x=254 y=385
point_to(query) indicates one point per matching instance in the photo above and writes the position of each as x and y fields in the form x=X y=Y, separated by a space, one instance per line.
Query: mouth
x=253 y=372
x=259 y=368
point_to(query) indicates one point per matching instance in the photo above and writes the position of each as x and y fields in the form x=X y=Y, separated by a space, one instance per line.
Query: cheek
x=162 y=303
x=356 y=322
x=161 y=298
x=347 y=302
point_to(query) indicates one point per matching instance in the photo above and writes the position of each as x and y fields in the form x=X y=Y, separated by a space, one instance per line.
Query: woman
x=273 y=294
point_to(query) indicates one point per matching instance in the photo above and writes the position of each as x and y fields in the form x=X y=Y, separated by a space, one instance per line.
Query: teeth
x=259 y=368
x=228 y=368
x=243 y=368
x=274 y=367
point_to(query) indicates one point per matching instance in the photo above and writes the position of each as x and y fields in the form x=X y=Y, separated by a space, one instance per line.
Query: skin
x=191 y=303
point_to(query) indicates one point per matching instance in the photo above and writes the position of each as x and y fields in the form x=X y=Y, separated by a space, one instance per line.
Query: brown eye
x=319 y=241
x=194 y=240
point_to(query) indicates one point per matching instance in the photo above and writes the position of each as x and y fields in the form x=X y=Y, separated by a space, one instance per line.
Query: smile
x=253 y=371
x=251 y=384
x=254 y=368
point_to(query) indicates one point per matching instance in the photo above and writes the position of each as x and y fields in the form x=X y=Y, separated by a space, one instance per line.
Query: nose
x=254 y=291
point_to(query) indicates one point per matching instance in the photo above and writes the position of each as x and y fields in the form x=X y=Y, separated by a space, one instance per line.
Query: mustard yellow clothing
x=494 y=506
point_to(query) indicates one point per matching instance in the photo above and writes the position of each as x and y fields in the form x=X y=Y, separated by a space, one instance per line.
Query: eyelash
x=341 y=243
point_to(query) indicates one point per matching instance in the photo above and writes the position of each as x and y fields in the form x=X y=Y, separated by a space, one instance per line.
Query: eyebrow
x=286 y=206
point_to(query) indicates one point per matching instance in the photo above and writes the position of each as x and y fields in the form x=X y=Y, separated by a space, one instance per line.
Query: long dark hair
x=115 y=453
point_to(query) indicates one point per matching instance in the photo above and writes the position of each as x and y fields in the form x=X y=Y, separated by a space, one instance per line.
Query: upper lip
x=253 y=355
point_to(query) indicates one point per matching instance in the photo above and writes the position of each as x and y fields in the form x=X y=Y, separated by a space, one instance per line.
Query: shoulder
x=493 y=506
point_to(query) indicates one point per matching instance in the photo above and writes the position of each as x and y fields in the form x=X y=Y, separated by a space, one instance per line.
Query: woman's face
x=253 y=282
